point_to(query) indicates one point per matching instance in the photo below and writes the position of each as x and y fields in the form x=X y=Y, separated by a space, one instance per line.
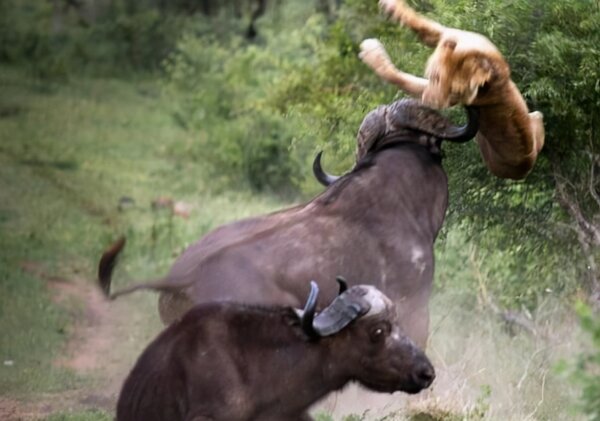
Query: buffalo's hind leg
x=373 y=54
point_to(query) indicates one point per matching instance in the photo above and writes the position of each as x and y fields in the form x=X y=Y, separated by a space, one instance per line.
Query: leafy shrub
x=586 y=371
x=241 y=135
x=121 y=41
x=117 y=41
x=307 y=91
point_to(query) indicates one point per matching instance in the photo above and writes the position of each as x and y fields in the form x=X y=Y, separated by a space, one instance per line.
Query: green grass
x=68 y=152
x=80 y=416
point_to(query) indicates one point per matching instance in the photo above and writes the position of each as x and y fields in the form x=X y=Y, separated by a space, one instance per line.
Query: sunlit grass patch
x=92 y=415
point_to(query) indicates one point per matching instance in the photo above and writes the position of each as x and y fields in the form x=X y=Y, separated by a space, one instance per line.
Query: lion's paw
x=373 y=53
x=537 y=115
x=387 y=6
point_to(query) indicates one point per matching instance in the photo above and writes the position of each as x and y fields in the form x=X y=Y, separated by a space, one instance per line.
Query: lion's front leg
x=373 y=54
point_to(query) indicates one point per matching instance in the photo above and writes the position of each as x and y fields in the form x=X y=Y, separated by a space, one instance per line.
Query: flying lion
x=466 y=68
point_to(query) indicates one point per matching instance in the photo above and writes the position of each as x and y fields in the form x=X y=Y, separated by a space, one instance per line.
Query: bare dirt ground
x=101 y=348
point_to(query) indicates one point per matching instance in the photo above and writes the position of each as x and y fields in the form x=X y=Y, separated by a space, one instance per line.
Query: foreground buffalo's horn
x=345 y=308
x=321 y=176
x=342 y=283
x=308 y=314
x=414 y=115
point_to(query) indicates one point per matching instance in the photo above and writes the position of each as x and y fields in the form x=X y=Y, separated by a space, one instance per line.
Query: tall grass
x=68 y=155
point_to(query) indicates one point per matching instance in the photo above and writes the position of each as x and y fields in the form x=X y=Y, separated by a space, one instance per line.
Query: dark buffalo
x=233 y=362
x=378 y=222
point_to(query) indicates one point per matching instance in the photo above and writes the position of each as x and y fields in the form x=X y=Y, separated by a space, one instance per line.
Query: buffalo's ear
x=342 y=283
x=480 y=73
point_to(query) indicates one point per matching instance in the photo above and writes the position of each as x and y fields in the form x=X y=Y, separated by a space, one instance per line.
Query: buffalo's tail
x=107 y=264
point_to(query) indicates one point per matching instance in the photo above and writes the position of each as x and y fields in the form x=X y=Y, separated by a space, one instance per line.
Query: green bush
x=586 y=372
x=222 y=91
x=118 y=41
x=552 y=47
x=307 y=91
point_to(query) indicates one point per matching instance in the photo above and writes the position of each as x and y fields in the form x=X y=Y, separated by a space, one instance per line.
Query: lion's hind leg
x=536 y=120
x=428 y=31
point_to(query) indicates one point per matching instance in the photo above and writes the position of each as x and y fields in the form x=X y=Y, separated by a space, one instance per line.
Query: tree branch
x=510 y=317
x=592 y=185
x=570 y=204
x=588 y=233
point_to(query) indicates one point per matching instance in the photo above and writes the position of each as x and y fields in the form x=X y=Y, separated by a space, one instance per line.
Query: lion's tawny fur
x=467 y=68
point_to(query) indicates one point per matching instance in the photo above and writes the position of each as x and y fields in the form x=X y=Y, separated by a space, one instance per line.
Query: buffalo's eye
x=377 y=334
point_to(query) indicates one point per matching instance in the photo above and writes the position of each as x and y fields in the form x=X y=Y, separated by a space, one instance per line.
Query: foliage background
x=252 y=113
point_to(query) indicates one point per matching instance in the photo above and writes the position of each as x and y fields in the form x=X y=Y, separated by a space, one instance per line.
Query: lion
x=466 y=68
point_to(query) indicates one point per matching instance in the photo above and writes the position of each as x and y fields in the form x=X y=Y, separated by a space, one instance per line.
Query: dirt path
x=103 y=343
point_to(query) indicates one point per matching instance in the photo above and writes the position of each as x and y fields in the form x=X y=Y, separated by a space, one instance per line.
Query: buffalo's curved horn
x=342 y=283
x=412 y=114
x=308 y=314
x=321 y=176
x=345 y=308
x=466 y=132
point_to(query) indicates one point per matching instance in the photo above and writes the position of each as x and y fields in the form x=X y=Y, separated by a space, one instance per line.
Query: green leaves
x=307 y=91
x=585 y=372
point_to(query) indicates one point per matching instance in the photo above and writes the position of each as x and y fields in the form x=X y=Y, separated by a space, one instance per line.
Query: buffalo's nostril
x=425 y=375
